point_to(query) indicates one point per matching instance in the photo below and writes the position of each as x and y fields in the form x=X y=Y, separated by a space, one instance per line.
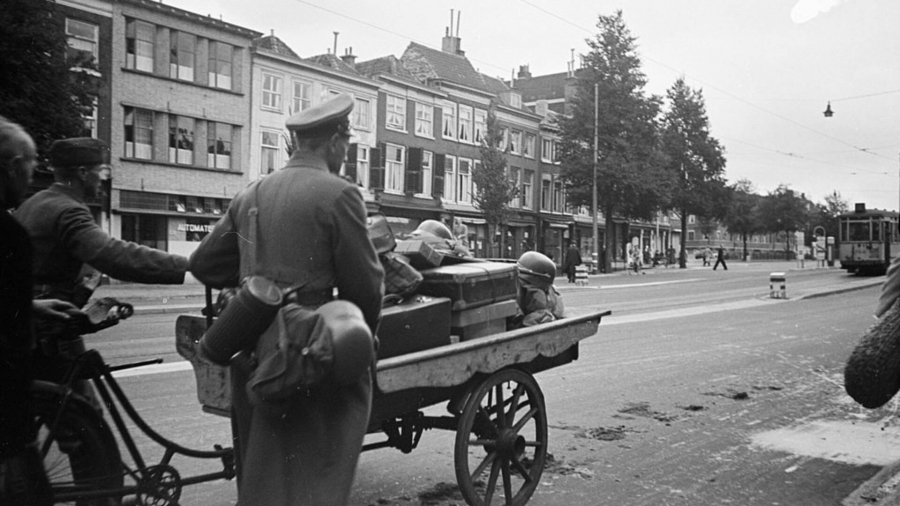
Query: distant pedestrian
x=720 y=258
x=707 y=254
x=573 y=260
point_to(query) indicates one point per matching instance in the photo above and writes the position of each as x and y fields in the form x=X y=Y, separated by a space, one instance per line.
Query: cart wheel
x=502 y=437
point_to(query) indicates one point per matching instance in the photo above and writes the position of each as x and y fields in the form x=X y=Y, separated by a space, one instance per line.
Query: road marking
x=564 y=288
x=183 y=365
x=687 y=311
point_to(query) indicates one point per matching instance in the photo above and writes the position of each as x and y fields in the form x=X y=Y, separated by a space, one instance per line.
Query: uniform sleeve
x=217 y=261
x=122 y=260
x=360 y=277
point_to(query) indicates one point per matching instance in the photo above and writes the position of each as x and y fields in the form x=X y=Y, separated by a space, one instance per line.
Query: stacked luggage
x=438 y=294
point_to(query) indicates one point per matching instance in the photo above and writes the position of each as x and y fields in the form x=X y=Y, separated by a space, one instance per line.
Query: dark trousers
x=720 y=261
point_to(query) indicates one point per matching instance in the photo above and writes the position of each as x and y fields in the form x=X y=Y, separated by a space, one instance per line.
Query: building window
x=181 y=63
x=464 y=181
x=396 y=113
x=528 y=189
x=362 y=165
x=218 y=142
x=181 y=140
x=465 y=124
x=361 y=113
x=690 y=235
x=83 y=39
x=514 y=178
x=393 y=169
x=545 y=193
x=302 y=97
x=271 y=92
x=480 y=126
x=138 y=133
x=424 y=120
x=139 y=45
x=449 y=177
x=269 y=144
x=515 y=142
x=559 y=202
x=548 y=150
x=427 y=160
x=449 y=120
x=515 y=100
x=220 y=64
x=90 y=120
x=528 y=147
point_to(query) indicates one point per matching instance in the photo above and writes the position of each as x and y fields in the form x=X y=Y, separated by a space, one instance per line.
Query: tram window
x=859 y=231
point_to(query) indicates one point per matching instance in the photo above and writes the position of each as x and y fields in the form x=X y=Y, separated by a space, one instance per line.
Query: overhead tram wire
x=857 y=148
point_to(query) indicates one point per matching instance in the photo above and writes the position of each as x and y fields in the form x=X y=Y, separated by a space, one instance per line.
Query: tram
x=869 y=239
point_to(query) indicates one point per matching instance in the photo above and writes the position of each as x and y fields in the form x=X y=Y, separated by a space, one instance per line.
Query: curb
x=880 y=490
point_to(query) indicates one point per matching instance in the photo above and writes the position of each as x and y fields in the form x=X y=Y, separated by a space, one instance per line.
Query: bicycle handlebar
x=102 y=314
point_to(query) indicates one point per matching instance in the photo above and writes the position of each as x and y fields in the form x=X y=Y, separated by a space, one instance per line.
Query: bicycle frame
x=159 y=477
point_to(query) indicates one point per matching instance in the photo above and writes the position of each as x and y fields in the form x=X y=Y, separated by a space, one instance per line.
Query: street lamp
x=828 y=112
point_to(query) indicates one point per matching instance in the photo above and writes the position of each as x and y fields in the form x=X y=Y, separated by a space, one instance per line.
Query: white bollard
x=581 y=275
x=777 y=285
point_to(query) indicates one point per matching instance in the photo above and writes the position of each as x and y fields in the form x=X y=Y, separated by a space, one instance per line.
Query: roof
x=545 y=87
x=494 y=84
x=275 y=45
x=332 y=61
x=431 y=64
x=389 y=64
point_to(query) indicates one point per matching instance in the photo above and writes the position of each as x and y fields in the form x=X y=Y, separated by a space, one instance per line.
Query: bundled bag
x=872 y=373
x=400 y=278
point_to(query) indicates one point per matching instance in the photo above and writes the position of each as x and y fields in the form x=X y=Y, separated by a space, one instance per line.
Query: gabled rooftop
x=389 y=65
x=332 y=61
x=431 y=64
x=273 y=44
x=547 y=87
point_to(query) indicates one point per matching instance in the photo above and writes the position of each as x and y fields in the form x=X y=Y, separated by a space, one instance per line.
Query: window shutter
x=376 y=167
x=438 y=170
x=414 y=171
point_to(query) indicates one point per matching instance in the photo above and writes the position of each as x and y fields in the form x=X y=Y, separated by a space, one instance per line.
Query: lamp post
x=594 y=180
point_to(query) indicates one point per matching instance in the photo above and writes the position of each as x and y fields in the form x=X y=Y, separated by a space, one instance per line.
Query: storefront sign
x=194 y=227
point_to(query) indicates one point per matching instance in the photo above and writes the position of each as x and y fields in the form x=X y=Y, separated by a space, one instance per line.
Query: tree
x=38 y=87
x=741 y=214
x=784 y=211
x=825 y=215
x=493 y=187
x=630 y=181
x=695 y=159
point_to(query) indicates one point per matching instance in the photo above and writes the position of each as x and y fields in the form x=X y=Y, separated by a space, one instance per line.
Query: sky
x=767 y=68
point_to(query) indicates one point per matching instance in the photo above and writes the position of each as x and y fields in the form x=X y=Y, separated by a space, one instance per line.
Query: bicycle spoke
x=492 y=482
x=525 y=419
x=522 y=470
x=507 y=481
x=489 y=459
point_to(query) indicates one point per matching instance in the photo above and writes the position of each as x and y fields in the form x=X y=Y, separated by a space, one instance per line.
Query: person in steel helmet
x=539 y=301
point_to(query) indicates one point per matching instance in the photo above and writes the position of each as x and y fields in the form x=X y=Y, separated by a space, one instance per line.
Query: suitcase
x=483 y=320
x=420 y=254
x=380 y=233
x=416 y=324
x=471 y=284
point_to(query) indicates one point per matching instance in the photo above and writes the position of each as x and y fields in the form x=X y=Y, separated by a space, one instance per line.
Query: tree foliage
x=741 y=214
x=38 y=89
x=630 y=181
x=784 y=211
x=493 y=187
x=695 y=159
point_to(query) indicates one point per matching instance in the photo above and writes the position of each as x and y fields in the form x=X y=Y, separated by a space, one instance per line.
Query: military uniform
x=311 y=230
x=65 y=236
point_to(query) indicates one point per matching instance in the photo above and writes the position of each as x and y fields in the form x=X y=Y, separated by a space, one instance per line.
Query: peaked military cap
x=326 y=118
x=78 y=151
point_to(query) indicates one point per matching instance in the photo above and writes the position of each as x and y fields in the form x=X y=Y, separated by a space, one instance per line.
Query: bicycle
x=80 y=453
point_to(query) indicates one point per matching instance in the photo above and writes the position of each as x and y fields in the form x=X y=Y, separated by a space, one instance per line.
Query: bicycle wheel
x=80 y=455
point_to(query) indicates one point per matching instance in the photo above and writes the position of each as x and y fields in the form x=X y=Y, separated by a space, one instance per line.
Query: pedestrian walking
x=720 y=258
x=310 y=229
x=573 y=260
x=707 y=255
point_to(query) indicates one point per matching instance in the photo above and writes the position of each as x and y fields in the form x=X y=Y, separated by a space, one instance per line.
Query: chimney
x=348 y=57
x=451 y=42
x=540 y=107
x=524 y=72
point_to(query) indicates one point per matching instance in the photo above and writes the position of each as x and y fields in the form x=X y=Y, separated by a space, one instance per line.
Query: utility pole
x=594 y=192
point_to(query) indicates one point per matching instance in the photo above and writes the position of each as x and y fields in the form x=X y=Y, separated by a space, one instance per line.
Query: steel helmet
x=436 y=228
x=536 y=268
x=352 y=342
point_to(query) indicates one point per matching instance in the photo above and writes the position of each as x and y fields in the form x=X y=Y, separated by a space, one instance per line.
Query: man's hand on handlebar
x=53 y=309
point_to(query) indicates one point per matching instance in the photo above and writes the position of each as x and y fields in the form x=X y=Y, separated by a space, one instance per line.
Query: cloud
x=806 y=10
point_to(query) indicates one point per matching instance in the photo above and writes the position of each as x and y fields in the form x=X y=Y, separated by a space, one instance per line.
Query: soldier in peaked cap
x=310 y=231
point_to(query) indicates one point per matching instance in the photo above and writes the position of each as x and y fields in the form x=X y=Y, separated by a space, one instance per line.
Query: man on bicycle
x=66 y=239
x=23 y=480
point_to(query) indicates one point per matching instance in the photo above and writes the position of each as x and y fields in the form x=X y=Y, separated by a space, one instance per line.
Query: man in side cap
x=310 y=229
x=66 y=239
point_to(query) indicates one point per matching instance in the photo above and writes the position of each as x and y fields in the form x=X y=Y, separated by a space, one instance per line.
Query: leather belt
x=310 y=297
